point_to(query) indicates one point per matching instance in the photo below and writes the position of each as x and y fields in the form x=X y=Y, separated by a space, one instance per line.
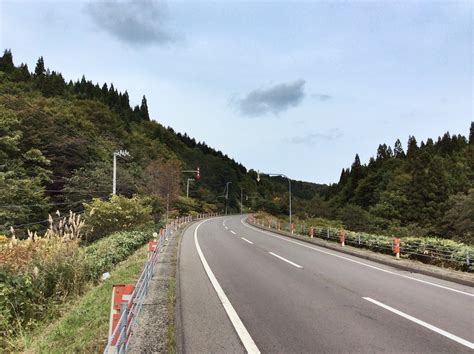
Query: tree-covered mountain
x=429 y=189
x=57 y=139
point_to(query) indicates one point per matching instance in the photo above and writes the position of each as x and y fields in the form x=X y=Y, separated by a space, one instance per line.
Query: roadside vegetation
x=42 y=273
x=84 y=323
x=431 y=250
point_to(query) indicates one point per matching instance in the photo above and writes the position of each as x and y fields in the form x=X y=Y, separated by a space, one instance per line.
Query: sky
x=287 y=87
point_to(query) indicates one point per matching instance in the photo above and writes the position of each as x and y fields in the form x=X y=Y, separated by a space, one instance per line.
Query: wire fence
x=122 y=330
x=429 y=250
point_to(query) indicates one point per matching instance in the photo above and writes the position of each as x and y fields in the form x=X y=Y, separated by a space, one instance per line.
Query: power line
x=19 y=206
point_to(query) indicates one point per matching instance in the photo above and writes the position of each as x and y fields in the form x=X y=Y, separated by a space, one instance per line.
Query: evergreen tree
x=40 y=69
x=398 y=150
x=471 y=134
x=412 y=147
x=144 y=109
x=6 y=62
x=25 y=73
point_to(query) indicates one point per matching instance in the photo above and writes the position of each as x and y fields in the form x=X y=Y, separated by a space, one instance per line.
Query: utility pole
x=120 y=153
x=187 y=186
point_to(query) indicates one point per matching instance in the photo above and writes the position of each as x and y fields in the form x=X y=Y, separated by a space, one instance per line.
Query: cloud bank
x=138 y=22
x=274 y=99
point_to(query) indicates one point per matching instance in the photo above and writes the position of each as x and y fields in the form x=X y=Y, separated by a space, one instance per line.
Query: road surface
x=244 y=289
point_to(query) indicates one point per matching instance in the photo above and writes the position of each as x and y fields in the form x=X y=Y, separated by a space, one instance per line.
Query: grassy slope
x=84 y=328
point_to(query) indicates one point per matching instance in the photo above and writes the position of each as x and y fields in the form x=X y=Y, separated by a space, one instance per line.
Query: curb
x=375 y=257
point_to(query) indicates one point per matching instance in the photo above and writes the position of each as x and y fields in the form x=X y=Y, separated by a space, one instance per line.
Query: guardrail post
x=396 y=247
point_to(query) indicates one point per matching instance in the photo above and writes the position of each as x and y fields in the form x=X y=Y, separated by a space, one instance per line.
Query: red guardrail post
x=396 y=247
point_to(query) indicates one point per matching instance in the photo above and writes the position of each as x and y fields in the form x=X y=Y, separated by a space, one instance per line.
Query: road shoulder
x=458 y=277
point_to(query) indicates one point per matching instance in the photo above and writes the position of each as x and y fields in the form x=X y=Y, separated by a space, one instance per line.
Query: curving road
x=244 y=289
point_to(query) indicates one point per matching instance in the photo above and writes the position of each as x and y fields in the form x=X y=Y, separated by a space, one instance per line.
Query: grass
x=84 y=328
x=171 y=333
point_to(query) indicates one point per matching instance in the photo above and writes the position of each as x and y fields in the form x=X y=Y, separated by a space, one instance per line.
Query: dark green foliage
x=425 y=191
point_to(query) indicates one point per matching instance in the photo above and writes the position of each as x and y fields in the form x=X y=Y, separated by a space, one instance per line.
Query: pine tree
x=398 y=150
x=471 y=134
x=6 y=62
x=412 y=147
x=25 y=73
x=144 y=109
x=40 y=69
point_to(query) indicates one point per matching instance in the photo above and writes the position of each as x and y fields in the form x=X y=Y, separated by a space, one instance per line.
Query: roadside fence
x=127 y=299
x=431 y=251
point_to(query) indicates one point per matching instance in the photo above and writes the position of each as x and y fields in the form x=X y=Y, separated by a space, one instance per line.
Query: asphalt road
x=290 y=296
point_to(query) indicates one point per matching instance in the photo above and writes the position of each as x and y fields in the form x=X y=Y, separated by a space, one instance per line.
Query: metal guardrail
x=412 y=249
x=119 y=339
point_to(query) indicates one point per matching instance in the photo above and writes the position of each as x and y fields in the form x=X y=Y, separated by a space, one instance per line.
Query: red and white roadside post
x=268 y=221
x=279 y=226
x=121 y=296
x=152 y=247
x=396 y=247
x=342 y=237
x=311 y=231
x=292 y=228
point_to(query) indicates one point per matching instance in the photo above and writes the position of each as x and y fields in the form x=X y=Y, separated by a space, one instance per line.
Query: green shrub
x=118 y=213
x=104 y=254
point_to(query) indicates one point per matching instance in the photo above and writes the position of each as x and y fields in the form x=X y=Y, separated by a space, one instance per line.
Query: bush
x=104 y=254
x=119 y=213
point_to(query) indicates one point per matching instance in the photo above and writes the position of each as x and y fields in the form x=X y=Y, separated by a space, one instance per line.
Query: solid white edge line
x=242 y=332
x=243 y=238
x=357 y=262
x=423 y=323
x=233 y=232
x=286 y=260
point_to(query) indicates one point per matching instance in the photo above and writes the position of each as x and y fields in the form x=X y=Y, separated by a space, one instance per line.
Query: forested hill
x=427 y=190
x=57 y=142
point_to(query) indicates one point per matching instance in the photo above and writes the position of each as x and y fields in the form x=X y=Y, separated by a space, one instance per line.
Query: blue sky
x=283 y=87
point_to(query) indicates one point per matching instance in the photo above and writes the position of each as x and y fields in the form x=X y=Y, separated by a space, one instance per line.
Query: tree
x=398 y=150
x=162 y=180
x=460 y=217
x=40 y=69
x=6 y=62
x=144 y=109
x=471 y=134
x=412 y=147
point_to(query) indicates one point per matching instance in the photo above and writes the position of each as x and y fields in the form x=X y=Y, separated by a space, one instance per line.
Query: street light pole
x=187 y=186
x=121 y=153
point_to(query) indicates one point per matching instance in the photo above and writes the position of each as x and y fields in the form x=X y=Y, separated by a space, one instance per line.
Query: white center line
x=286 y=260
x=422 y=323
x=357 y=262
x=226 y=228
x=233 y=232
x=243 y=238
x=242 y=332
